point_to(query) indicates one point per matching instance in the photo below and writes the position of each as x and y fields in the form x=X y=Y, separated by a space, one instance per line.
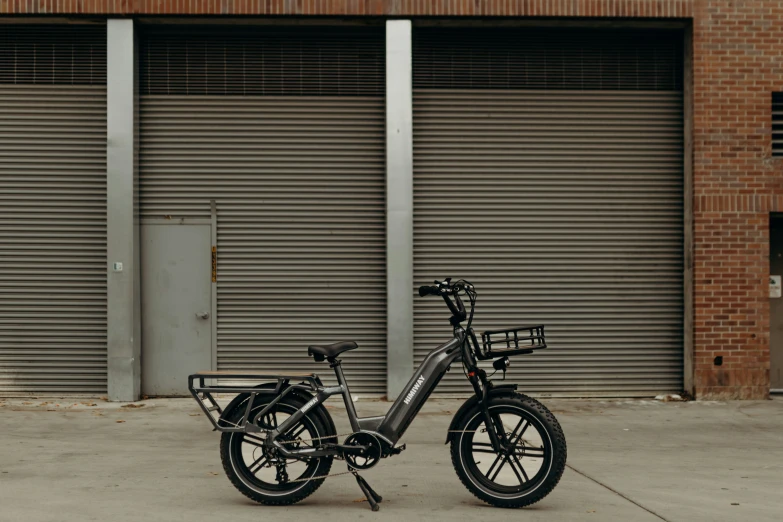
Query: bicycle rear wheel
x=260 y=474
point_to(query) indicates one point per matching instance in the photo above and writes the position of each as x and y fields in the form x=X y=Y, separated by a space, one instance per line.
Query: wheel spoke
x=521 y=468
x=514 y=469
x=514 y=431
x=514 y=438
x=519 y=437
x=270 y=419
x=494 y=464
x=482 y=445
x=497 y=471
x=534 y=453
x=256 y=466
x=253 y=440
x=253 y=443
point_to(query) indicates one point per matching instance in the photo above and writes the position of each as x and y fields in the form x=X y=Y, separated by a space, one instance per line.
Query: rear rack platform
x=202 y=387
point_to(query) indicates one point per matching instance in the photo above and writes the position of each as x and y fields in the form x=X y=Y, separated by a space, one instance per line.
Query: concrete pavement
x=628 y=461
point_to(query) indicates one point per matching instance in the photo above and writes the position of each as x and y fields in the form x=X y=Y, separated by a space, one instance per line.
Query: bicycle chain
x=349 y=434
x=350 y=472
x=331 y=474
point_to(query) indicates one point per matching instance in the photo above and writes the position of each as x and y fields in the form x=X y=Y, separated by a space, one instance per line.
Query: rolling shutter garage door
x=52 y=209
x=557 y=156
x=284 y=129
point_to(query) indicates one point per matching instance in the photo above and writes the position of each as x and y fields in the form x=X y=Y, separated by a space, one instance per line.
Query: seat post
x=349 y=407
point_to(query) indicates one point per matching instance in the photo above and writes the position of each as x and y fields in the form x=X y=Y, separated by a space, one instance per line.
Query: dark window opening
x=53 y=54
x=777 y=124
x=263 y=60
x=547 y=59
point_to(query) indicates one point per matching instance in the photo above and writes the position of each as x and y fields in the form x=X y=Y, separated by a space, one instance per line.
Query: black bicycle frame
x=392 y=426
x=389 y=428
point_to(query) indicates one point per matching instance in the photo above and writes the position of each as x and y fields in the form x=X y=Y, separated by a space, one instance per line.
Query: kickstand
x=372 y=497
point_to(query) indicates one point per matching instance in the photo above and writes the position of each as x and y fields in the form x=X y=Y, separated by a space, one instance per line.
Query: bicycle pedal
x=397 y=451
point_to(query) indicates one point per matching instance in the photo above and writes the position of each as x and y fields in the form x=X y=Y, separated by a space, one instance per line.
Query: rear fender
x=240 y=402
x=500 y=390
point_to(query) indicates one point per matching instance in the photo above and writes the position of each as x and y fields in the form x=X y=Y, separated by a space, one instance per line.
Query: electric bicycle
x=278 y=440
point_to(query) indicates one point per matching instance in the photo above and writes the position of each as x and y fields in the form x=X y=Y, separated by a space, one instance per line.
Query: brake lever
x=445 y=283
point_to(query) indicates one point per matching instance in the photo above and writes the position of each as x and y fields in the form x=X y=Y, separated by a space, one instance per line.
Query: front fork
x=481 y=386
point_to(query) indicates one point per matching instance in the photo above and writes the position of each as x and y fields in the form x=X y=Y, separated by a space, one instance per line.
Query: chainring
x=372 y=454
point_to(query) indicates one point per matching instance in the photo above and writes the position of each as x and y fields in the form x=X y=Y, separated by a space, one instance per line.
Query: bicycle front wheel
x=532 y=463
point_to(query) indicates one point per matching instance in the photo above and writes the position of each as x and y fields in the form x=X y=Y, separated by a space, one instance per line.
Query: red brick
x=569 y=8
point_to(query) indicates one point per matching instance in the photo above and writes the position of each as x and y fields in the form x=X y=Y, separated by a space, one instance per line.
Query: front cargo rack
x=513 y=341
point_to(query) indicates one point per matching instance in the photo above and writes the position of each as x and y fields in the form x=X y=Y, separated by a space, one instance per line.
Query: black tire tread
x=324 y=466
x=560 y=454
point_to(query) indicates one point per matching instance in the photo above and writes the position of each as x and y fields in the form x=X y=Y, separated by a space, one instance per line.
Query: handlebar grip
x=428 y=290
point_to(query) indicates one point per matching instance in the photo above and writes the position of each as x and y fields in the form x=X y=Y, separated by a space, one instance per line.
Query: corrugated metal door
x=556 y=158
x=52 y=209
x=284 y=129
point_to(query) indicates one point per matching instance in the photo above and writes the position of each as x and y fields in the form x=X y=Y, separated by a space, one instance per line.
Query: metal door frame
x=773 y=217
x=213 y=287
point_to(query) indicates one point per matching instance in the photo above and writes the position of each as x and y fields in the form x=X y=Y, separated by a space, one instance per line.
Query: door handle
x=202 y=315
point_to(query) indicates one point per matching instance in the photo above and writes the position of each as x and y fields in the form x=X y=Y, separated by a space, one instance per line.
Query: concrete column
x=124 y=305
x=399 y=206
x=688 y=312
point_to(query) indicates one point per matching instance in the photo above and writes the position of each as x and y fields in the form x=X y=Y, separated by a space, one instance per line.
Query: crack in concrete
x=588 y=477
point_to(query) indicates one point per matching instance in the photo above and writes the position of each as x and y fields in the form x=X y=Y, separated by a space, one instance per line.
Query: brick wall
x=624 y=8
x=737 y=63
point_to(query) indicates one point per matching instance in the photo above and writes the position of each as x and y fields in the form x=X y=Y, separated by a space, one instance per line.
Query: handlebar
x=444 y=289
x=428 y=290
x=469 y=345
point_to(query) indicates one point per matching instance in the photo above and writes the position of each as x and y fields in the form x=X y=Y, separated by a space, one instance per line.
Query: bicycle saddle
x=331 y=350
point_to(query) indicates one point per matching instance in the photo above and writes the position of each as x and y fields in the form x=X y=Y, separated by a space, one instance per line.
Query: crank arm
x=351 y=450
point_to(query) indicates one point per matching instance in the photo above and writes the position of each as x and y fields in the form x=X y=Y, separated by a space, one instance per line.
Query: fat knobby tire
x=559 y=452
x=275 y=498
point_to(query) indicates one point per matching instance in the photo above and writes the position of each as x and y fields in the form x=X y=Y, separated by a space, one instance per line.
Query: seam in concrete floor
x=632 y=501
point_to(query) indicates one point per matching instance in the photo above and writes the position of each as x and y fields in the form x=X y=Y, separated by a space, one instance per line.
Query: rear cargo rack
x=203 y=392
x=512 y=341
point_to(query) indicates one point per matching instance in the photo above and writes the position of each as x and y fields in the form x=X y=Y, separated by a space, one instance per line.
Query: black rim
x=508 y=473
x=257 y=469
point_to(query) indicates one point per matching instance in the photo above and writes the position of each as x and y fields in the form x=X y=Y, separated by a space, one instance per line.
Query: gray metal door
x=294 y=158
x=565 y=180
x=776 y=304
x=176 y=291
x=52 y=209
